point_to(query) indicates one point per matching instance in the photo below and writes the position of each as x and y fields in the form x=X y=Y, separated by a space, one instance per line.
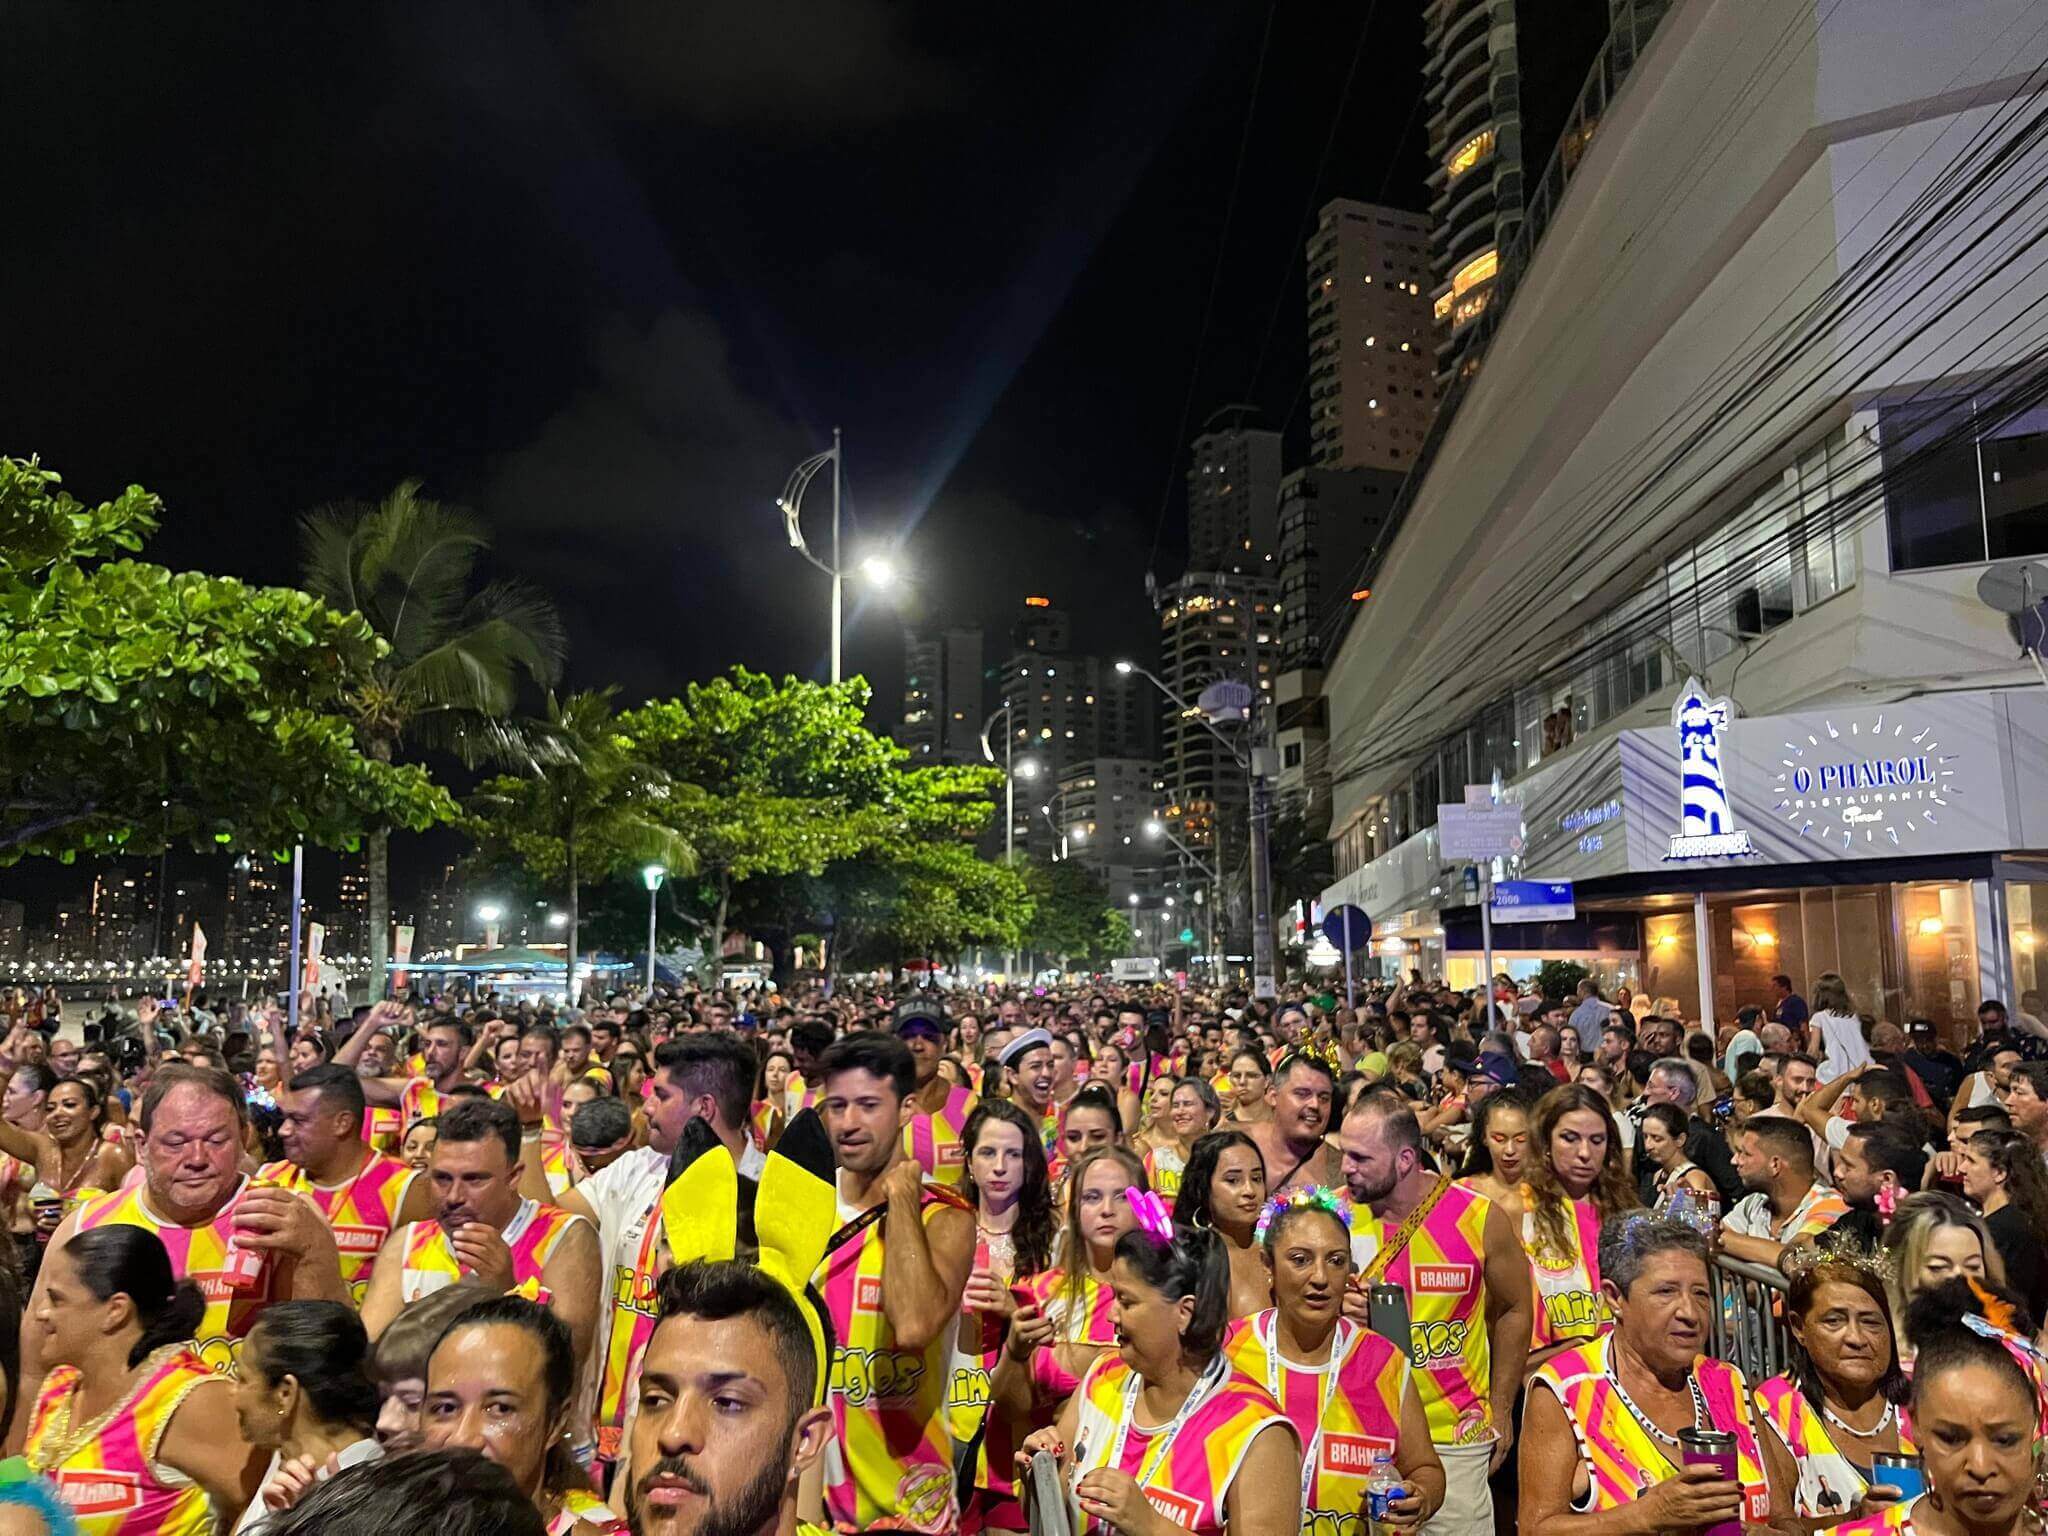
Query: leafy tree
x=1069 y=904
x=929 y=900
x=588 y=807
x=454 y=658
x=777 y=779
x=141 y=708
x=1558 y=980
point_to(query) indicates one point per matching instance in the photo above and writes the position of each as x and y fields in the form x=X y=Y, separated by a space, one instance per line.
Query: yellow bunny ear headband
x=795 y=1214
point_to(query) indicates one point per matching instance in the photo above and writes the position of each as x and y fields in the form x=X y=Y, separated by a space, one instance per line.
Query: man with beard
x=1290 y=1141
x=444 y=1047
x=1876 y=1157
x=891 y=1279
x=1028 y=1059
x=1458 y=1260
x=726 y=1426
x=1787 y=1205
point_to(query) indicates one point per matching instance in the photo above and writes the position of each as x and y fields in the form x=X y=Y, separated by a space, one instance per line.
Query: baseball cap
x=915 y=1015
x=1495 y=1068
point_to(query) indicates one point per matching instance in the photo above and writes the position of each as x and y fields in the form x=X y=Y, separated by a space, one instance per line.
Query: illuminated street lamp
x=878 y=569
x=488 y=914
x=653 y=874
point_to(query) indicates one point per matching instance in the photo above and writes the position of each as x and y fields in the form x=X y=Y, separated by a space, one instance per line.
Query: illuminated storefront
x=1902 y=844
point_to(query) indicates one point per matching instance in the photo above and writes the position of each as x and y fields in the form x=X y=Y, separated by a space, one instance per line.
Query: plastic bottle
x=1382 y=1487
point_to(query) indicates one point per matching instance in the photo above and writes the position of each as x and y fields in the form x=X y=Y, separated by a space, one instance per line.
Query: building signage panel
x=1925 y=776
x=1534 y=901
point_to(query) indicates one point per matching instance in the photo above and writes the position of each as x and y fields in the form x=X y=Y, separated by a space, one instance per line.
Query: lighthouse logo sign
x=1707 y=827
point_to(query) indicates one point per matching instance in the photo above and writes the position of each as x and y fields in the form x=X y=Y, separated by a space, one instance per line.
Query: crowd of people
x=1089 y=1258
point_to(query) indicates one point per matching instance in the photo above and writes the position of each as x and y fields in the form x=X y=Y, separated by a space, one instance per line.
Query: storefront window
x=1937 y=927
x=2026 y=913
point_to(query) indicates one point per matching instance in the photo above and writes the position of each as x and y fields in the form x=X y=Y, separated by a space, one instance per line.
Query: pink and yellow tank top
x=1084 y=1319
x=1830 y=1485
x=890 y=1462
x=361 y=1212
x=383 y=1127
x=937 y=1141
x=238 y=1283
x=1443 y=1270
x=1622 y=1461
x=1566 y=1285
x=1163 y=1168
x=1345 y=1411
x=533 y=1234
x=1896 y=1520
x=108 y=1477
x=762 y=1122
x=629 y=1324
x=585 y=1512
x=1184 y=1473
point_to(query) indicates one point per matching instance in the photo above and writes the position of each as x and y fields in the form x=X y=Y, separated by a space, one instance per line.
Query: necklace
x=1884 y=1423
x=1649 y=1425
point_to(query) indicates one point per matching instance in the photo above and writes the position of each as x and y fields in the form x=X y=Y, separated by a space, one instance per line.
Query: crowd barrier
x=1749 y=1318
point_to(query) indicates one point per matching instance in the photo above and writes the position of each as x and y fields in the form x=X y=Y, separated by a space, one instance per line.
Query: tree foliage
x=144 y=708
x=588 y=807
x=1071 y=916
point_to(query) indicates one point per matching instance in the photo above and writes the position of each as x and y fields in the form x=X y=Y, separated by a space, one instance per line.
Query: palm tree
x=585 y=801
x=407 y=565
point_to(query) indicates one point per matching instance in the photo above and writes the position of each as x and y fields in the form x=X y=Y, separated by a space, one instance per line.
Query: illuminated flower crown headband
x=1303 y=1197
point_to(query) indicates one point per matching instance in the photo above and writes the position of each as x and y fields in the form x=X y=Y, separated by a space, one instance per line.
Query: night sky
x=605 y=271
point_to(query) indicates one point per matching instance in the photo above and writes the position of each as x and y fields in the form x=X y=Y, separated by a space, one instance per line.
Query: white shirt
x=1841 y=1041
x=623 y=1194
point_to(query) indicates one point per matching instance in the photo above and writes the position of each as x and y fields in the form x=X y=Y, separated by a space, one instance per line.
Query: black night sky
x=605 y=271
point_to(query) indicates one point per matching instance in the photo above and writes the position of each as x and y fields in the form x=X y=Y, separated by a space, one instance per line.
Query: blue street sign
x=1361 y=927
x=1533 y=901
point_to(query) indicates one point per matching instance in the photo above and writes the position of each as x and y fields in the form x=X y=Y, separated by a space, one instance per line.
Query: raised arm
x=924 y=1268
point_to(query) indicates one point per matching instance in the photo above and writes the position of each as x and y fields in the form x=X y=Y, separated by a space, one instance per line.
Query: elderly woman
x=1840 y=1404
x=1600 y=1446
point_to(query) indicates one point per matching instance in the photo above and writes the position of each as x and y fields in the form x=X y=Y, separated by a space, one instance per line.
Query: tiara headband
x=1303 y=1197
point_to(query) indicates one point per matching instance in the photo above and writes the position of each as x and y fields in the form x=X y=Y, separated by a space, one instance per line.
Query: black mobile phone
x=1386 y=1314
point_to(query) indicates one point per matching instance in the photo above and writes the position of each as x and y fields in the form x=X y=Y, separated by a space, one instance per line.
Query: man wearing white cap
x=1029 y=1060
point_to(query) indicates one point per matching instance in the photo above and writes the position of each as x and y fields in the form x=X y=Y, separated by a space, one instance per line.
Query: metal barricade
x=1749 y=1329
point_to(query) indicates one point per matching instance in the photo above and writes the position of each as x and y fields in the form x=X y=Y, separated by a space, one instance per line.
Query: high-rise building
x=920 y=729
x=439 y=925
x=1043 y=628
x=1213 y=625
x=1233 y=478
x=945 y=695
x=351 y=935
x=1104 y=803
x=1371 y=353
x=13 y=930
x=115 y=908
x=257 y=927
x=1500 y=78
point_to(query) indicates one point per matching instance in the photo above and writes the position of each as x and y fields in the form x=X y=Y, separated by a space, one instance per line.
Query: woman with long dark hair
x=1840 y=1404
x=1165 y=1427
x=1006 y=1178
x=2004 y=1177
x=1575 y=1181
x=1662 y=1140
x=127 y=1398
x=1497 y=1155
x=1224 y=1189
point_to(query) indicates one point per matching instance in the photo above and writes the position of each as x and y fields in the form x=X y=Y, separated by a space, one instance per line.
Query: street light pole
x=1009 y=799
x=1264 y=956
x=838 y=574
x=653 y=874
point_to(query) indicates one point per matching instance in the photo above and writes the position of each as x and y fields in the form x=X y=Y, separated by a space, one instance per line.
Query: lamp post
x=877 y=568
x=1003 y=711
x=1264 y=958
x=653 y=874
x=488 y=914
x=1157 y=827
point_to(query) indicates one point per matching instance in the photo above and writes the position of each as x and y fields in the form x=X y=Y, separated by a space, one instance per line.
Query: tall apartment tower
x=1371 y=348
x=1212 y=625
x=944 y=695
x=1233 y=480
x=1499 y=80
